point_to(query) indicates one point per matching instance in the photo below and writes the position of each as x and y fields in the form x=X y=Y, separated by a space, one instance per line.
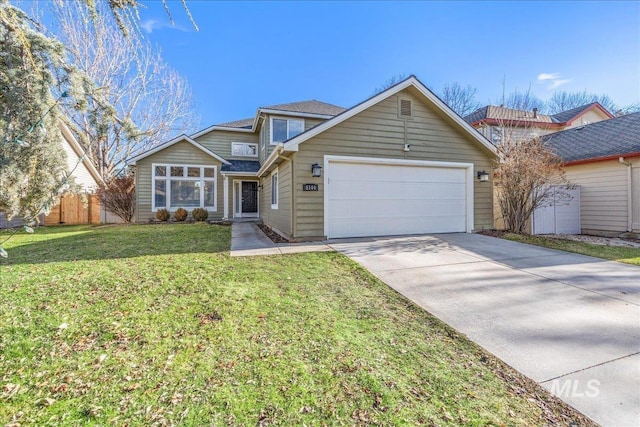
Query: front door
x=249 y=197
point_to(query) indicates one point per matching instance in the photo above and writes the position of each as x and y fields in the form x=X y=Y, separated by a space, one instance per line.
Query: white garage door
x=372 y=198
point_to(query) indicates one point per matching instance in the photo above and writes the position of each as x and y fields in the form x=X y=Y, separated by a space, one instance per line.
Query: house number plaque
x=309 y=187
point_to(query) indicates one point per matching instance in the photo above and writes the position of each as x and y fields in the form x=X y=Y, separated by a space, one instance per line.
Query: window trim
x=244 y=143
x=288 y=119
x=275 y=190
x=167 y=179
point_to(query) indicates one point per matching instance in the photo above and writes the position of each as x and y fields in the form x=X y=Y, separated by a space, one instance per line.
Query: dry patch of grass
x=624 y=254
x=157 y=325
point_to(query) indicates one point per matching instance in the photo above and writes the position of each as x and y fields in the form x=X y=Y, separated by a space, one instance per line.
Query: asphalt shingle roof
x=243 y=123
x=614 y=137
x=569 y=114
x=311 y=107
x=241 y=166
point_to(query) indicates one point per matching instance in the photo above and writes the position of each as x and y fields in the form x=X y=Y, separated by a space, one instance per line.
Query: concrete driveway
x=569 y=322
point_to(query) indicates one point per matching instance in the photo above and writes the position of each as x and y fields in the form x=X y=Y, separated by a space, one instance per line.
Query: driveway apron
x=569 y=322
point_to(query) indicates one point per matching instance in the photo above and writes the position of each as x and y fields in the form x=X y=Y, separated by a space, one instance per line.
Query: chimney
x=535 y=112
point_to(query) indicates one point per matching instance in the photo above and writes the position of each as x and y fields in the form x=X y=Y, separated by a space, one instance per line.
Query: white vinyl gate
x=562 y=216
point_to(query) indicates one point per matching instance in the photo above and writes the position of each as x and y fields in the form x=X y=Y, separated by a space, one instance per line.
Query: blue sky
x=251 y=54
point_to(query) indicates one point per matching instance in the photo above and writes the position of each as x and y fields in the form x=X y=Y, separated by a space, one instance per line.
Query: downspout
x=629 y=195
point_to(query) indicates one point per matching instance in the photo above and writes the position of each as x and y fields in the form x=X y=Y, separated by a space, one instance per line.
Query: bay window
x=182 y=186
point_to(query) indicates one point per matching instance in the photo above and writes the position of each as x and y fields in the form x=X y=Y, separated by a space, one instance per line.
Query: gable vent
x=405 y=107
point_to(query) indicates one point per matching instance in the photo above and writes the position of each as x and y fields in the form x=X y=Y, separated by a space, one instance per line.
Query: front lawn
x=157 y=325
x=614 y=253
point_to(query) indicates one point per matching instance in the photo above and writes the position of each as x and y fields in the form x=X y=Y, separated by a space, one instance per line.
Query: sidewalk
x=248 y=240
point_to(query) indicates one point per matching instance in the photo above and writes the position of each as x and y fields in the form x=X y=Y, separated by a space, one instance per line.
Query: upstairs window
x=244 y=149
x=284 y=129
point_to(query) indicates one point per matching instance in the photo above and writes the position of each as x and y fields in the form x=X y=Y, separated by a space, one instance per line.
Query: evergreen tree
x=33 y=80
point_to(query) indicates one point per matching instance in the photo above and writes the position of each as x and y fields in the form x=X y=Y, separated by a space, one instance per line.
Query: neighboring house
x=75 y=209
x=72 y=209
x=604 y=159
x=401 y=162
x=493 y=121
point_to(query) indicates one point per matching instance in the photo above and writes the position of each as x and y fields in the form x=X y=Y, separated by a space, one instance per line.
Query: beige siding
x=379 y=132
x=220 y=141
x=265 y=133
x=182 y=153
x=591 y=116
x=279 y=219
x=635 y=188
x=603 y=195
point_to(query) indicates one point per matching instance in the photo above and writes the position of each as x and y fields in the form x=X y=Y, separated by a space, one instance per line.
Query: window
x=244 y=149
x=496 y=134
x=184 y=187
x=283 y=129
x=274 y=190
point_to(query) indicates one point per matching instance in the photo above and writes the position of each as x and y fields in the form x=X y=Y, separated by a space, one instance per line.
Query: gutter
x=629 y=195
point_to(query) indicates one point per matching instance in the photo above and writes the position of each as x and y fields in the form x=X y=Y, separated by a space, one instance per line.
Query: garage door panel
x=370 y=199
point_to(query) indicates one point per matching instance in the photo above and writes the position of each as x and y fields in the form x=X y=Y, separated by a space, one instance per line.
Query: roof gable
x=71 y=140
x=173 y=142
x=570 y=115
x=412 y=81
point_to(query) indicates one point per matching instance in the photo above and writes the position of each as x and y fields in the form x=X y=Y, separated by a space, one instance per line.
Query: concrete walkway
x=248 y=240
x=569 y=322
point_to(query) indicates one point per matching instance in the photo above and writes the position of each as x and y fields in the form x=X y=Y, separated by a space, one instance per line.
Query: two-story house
x=400 y=162
x=495 y=122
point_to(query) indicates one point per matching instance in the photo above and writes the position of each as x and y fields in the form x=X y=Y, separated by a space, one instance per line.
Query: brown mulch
x=275 y=237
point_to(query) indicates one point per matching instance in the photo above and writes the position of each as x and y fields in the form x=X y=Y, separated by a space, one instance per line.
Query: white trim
x=255 y=214
x=77 y=148
x=167 y=178
x=277 y=188
x=272 y=118
x=277 y=150
x=225 y=194
x=175 y=141
x=238 y=173
x=292 y=144
x=224 y=128
x=400 y=162
x=256 y=119
x=245 y=155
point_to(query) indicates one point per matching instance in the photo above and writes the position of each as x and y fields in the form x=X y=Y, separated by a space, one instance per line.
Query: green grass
x=613 y=253
x=164 y=328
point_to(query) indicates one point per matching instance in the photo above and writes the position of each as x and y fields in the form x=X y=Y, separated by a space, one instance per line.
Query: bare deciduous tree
x=525 y=101
x=396 y=78
x=119 y=197
x=461 y=99
x=524 y=174
x=563 y=101
x=139 y=100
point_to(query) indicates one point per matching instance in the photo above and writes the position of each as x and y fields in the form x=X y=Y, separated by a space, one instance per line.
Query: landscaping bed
x=157 y=325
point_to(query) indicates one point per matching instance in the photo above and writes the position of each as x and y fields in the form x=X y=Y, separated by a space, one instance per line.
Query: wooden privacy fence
x=72 y=211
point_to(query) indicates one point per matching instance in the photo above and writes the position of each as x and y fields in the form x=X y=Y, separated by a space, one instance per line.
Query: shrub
x=163 y=215
x=200 y=214
x=118 y=196
x=181 y=214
